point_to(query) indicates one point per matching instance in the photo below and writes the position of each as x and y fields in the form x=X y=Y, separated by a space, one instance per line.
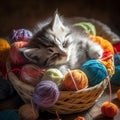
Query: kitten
x=59 y=44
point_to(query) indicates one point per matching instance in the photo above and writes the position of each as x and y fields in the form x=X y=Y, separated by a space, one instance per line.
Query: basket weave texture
x=69 y=101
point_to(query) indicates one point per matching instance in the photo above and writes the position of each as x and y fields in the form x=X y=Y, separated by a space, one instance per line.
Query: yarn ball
x=117 y=59
x=116 y=77
x=95 y=71
x=9 y=115
x=118 y=94
x=109 y=109
x=75 y=80
x=107 y=54
x=28 y=112
x=6 y=89
x=16 y=57
x=21 y=35
x=88 y=27
x=54 y=75
x=105 y=44
x=4 y=50
x=79 y=118
x=31 y=74
x=107 y=61
x=46 y=94
x=117 y=47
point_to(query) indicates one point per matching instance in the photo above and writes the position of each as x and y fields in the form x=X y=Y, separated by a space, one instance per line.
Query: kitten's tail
x=104 y=31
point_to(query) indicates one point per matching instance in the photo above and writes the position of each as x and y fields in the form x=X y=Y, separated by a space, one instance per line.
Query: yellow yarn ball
x=118 y=94
x=4 y=50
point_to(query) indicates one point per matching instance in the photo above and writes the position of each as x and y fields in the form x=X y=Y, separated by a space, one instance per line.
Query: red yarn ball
x=16 y=57
x=109 y=109
x=107 y=54
x=116 y=46
x=31 y=74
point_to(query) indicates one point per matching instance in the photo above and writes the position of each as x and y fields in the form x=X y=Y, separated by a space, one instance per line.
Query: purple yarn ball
x=46 y=94
x=21 y=35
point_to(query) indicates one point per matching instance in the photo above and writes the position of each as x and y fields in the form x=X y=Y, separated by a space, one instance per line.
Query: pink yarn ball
x=16 y=57
x=46 y=94
x=31 y=74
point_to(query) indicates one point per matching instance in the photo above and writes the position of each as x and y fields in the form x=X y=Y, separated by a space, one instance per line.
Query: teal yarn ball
x=117 y=59
x=116 y=77
x=6 y=89
x=95 y=71
x=9 y=115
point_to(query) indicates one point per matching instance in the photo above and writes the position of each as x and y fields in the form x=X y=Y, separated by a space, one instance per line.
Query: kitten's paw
x=95 y=52
x=63 y=68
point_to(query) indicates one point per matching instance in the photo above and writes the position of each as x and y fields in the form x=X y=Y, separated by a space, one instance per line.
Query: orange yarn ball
x=118 y=94
x=28 y=112
x=108 y=53
x=75 y=80
x=106 y=45
x=15 y=54
x=4 y=50
x=109 y=109
x=80 y=118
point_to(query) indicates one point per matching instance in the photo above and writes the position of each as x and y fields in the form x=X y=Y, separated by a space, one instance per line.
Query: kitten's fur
x=58 y=44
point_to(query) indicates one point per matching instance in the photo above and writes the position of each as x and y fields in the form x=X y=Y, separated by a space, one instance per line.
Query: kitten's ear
x=56 y=22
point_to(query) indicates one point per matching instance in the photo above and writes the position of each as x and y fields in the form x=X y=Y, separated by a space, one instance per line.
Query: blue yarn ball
x=46 y=94
x=117 y=59
x=95 y=71
x=116 y=77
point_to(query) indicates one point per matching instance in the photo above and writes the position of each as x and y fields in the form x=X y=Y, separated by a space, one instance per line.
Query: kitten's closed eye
x=65 y=44
x=67 y=41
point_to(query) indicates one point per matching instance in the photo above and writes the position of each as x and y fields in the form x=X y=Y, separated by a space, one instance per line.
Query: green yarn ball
x=95 y=71
x=88 y=27
x=116 y=77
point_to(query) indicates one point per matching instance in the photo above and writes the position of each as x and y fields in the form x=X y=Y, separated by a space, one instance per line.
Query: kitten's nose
x=64 y=54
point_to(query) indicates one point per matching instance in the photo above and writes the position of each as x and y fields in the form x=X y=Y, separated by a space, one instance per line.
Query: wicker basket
x=69 y=101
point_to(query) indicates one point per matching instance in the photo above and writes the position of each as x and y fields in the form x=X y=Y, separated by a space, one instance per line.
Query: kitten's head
x=49 y=45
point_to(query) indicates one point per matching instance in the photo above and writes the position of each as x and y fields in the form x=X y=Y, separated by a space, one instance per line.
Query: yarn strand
x=33 y=108
x=28 y=72
x=58 y=117
x=73 y=80
x=110 y=90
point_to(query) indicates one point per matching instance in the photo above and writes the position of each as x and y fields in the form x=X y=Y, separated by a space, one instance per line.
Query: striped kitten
x=58 y=44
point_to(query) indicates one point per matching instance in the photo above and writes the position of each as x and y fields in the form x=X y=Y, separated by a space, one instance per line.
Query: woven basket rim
x=23 y=84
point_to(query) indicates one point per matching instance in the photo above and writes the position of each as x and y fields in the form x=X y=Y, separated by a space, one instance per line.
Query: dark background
x=15 y=14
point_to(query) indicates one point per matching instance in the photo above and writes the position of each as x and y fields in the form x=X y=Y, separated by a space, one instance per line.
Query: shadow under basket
x=69 y=101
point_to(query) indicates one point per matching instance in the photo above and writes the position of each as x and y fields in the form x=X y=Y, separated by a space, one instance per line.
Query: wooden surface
x=93 y=113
